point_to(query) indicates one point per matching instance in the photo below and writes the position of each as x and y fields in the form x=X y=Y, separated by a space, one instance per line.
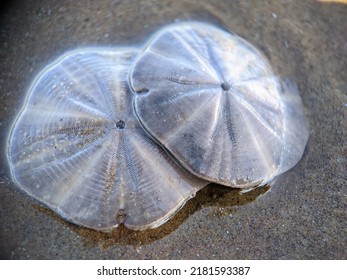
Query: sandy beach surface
x=302 y=216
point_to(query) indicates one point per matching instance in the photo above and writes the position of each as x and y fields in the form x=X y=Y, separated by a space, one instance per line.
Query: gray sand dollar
x=77 y=147
x=213 y=101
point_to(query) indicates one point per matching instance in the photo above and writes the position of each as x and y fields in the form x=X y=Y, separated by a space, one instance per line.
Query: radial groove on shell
x=214 y=102
x=78 y=147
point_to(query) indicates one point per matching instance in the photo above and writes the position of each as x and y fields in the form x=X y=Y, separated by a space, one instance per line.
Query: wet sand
x=302 y=216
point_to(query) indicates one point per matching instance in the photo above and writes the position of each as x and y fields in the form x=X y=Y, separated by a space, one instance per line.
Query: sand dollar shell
x=77 y=147
x=213 y=101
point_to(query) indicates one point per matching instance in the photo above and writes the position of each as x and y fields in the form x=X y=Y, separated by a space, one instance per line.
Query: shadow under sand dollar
x=220 y=199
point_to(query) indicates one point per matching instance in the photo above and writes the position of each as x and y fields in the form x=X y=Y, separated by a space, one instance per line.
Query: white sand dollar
x=77 y=147
x=213 y=101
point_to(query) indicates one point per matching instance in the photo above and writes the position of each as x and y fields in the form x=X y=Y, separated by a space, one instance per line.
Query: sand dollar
x=213 y=101
x=77 y=147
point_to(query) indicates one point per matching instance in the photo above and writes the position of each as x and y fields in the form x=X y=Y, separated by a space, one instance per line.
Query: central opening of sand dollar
x=120 y=124
x=225 y=86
